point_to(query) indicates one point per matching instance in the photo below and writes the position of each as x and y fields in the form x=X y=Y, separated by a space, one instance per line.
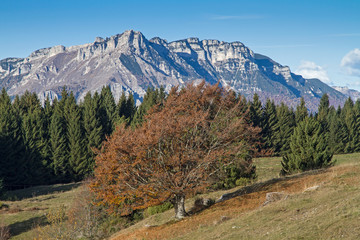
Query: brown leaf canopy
x=176 y=151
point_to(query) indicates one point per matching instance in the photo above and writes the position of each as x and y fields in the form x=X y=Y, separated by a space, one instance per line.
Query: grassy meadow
x=319 y=205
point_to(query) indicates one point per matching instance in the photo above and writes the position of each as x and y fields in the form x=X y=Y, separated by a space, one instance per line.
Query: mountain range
x=130 y=62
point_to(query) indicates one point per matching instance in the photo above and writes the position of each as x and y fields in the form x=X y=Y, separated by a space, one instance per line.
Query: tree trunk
x=179 y=205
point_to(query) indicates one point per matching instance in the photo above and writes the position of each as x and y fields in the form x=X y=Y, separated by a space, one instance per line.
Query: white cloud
x=351 y=62
x=309 y=70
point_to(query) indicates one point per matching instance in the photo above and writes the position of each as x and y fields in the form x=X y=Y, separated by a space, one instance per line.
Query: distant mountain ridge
x=130 y=62
x=353 y=94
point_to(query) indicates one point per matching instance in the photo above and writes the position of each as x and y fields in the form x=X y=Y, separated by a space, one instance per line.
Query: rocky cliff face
x=353 y=94
x=129 y=62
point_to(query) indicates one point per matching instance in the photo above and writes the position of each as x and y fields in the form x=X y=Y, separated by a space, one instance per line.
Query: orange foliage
x=176 y=151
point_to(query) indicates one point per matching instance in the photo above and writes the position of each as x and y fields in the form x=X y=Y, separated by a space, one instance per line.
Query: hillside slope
x=130 y=62
x=319 y=205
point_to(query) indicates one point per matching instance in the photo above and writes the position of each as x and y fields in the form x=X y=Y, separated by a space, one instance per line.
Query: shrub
x=232 y=176
x=242 y=181
x=4 y=231
x=308 y=149
x=200 y=204
x=158 y=209
x=3 y=205
x=82 y=220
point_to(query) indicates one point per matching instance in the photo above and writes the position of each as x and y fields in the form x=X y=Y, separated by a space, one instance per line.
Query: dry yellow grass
x=244 y=217
x=330 y=212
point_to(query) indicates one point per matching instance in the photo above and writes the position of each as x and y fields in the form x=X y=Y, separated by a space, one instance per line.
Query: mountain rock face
x=353 y=94
x=130 y=62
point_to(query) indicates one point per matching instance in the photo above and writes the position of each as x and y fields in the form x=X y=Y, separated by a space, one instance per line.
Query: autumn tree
x=175 y=152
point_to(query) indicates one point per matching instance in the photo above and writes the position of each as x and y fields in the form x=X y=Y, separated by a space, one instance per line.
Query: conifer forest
x=57 y=142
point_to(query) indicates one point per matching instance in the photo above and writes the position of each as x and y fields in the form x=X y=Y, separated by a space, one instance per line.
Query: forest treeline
x=54 y=143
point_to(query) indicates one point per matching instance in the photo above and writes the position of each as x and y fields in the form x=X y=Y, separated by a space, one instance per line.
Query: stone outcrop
x=129 y=62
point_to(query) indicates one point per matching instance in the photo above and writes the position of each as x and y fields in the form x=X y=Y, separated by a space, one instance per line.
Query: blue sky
x=315 y=38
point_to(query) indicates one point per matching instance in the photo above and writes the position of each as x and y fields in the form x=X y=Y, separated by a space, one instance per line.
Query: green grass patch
x=23 y=215
x=24 y=209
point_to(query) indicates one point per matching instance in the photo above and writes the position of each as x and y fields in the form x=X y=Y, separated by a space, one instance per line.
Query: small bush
x=82 y=220
x=4 y=231
x=242 y=181
x=3 y=205
x=158 y=209
x=200 y=204
x=232 y=176
x=15 y=209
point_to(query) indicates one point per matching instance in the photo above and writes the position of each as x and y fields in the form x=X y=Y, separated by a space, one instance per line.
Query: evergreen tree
x=28 y=103
x=301 y=111
x=322 y=115
x=92 y=129
x=151 y=98
x=12 y=150
x=107 y=110
x=308 y=149
x=323 y=109
x=356 y=137
x=285 y=126
x=349 y=118
x=58 y=142
x=337 y=132
x=121 y=106
x=77 y=157
x=270 y=128
x=130 y=108
x=46 y=151
x=33 y=131
x=256 y=111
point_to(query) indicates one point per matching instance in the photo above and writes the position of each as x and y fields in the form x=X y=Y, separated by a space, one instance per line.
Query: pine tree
x=107 y=110
x=33 y=131
x=285 y=126
x=130 y=108
x=75 y=135
x=301 y=111
x=59 y=144
x=323 y=108
x=357 y=126
x=322 y=115
x=349 y=118
x=12 y=150
x=46 y=151
x=151 y=98
x=337 y=132
x=256 y=111
x=308 y=149
x=92 y=129
x=120 y=107
x=270 y=127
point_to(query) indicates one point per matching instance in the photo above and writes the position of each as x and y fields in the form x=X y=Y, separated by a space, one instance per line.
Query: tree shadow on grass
x=24 y=226
x=31 y=192
x=263 y=185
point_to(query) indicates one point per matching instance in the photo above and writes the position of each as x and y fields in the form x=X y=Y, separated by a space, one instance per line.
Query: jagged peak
x=132 y=33
x=99 y=40
x=158 y=40
x=11 y=59
x=48 y=51
x=193 y=40
x=237 y=43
